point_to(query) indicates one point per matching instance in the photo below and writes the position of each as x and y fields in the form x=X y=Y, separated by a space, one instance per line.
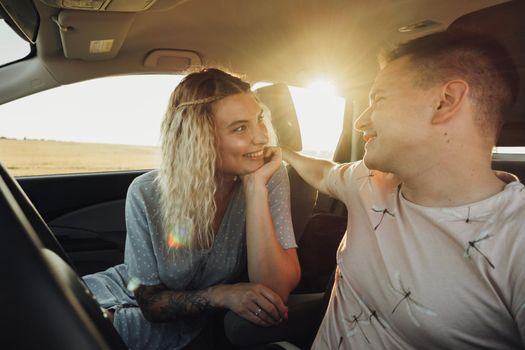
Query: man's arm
x=314 y=171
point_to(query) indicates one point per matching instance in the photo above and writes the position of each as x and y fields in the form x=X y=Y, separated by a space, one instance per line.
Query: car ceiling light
x=418 y=26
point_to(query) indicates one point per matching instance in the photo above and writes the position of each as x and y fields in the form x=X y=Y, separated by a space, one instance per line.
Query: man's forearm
x=314 y=171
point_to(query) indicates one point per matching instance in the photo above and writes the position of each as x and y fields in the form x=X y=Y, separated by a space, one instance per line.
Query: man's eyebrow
x=242 y=121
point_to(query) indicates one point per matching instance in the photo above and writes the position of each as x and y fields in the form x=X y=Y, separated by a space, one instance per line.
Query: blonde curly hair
x=188 y=157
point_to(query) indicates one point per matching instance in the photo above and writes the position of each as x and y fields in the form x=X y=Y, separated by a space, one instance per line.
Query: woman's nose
x=260 y=134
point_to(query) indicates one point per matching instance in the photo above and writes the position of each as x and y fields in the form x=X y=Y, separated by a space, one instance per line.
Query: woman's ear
x=452 y=96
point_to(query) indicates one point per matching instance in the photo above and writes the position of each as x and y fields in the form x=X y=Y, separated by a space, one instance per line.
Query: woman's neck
x=225 y=185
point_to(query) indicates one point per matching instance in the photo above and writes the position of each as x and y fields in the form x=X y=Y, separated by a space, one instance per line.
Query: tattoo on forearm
x=160 y=304
x=185 y=303
x=148 y=296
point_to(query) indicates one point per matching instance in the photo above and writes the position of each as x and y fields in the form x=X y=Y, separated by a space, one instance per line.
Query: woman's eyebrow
x=241 y=121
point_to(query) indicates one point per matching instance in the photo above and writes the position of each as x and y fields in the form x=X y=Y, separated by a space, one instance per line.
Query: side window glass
x=508 y=153
x=320 y=114
x=12 y=47
x=107 y=124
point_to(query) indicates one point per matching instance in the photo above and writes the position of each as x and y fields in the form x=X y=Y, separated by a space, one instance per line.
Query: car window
x=509 y=150
x=320 y=114
x=12 y=47
x=112 y=124
x=107 y=124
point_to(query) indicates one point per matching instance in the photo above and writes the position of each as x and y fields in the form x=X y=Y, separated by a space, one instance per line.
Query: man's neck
x=450 y=185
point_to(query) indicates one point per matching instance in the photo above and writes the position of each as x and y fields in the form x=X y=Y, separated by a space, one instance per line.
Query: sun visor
x=102 y=5
x=93 y=36
x=278 y=99
x=505 y=23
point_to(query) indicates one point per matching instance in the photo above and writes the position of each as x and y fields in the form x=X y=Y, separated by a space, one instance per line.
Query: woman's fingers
x=276 y=301
x=272 y=154
x=256 y=316
x=267 y=311
x=257 y=303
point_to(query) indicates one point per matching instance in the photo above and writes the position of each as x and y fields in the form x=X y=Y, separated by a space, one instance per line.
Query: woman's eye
x=240 y=128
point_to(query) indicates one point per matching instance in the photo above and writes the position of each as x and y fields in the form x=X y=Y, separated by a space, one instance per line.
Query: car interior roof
x=272 y=40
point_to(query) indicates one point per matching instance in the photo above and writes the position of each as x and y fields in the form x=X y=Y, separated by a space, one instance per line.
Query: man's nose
x=363 y=121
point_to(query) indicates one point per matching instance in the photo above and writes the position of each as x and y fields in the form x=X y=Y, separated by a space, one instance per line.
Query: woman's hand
x=252 y=301
x=273 y=158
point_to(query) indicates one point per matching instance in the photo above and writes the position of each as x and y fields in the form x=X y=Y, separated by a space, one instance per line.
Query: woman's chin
x=253 y=166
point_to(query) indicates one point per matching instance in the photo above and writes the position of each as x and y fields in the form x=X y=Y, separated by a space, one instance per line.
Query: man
x=434 y=255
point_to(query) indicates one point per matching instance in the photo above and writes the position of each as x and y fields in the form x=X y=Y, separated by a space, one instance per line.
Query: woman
x=218 y=207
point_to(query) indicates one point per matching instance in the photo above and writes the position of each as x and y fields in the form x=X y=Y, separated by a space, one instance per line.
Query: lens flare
x=179 y=237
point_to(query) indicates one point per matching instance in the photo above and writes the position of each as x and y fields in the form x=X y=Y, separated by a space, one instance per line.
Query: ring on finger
x=257 y=312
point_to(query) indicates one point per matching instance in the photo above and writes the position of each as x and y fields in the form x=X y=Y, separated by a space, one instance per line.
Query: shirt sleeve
x=139 y=255
x=337 y=180
x=279 y=201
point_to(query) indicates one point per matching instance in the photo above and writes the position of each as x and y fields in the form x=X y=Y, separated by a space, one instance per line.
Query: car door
x=86 y=214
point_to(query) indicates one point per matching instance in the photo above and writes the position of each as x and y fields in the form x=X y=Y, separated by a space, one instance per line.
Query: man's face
x=398 y=119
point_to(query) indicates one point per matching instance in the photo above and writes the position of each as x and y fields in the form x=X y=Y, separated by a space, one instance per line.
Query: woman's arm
x=158 y=303
x=268 y=262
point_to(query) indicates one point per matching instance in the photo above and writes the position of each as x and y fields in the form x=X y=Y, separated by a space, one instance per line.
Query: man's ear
x=453 y=95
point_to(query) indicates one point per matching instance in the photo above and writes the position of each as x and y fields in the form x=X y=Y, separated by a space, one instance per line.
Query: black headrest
x=278 y=99
x=504 y=23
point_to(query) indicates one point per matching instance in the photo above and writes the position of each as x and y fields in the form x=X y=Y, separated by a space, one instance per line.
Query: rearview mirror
x=22 y=17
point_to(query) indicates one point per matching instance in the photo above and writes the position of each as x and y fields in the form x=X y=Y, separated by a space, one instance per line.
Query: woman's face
x=240 y=134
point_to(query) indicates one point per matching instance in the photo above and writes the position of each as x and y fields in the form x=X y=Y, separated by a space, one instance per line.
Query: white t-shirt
x=413 y=277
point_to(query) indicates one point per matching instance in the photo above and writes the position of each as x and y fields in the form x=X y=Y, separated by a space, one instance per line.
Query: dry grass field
x=36 y=157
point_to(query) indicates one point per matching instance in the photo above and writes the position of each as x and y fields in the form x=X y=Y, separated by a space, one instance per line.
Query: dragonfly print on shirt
x=406 y=297
x=355 y=324
x=475 y=246
x=375 y=316
x=472 y=247
x=469 y=217
x=383 y=212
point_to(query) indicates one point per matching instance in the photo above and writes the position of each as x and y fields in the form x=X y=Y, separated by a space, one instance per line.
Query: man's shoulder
x=515 y=202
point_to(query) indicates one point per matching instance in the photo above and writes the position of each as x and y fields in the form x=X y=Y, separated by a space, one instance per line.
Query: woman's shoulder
x=144 y=185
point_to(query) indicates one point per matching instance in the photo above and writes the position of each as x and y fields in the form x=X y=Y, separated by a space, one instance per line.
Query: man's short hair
x=482 y=62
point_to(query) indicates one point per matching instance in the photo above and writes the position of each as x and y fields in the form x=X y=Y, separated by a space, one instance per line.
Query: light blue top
x=147 y=261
